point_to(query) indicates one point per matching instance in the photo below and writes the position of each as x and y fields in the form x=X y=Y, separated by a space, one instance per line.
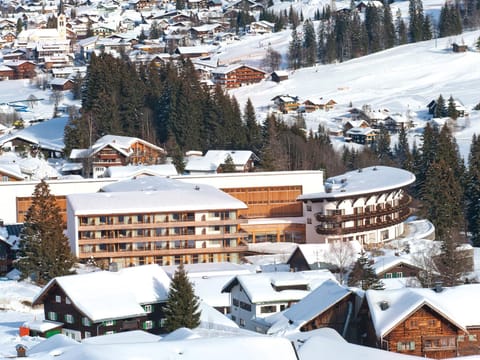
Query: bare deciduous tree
x=343 y=255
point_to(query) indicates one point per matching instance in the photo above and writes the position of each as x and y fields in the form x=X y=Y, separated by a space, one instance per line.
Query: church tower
x=62 y=26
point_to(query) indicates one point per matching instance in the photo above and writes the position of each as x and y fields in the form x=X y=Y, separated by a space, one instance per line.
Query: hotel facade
x=368 y=205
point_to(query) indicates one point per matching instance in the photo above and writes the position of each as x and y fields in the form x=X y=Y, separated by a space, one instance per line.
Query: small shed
x=459 y=48
x=279 y=75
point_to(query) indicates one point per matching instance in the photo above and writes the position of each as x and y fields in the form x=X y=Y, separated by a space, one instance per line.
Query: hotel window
x=267 y=309
x=109 y=323
x=148 y=308
x=309 y=207
x=309 y=220
x=58 y=299
x=86 y=321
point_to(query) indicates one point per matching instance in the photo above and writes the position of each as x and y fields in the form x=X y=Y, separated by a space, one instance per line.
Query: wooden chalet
x=286 y=103
x=22 y=69
x=107 y=302
x=9 y=244
x=6 y=72
x=113 y=150
x=435 y=323
x=363 y=136
x=394 y=267
x=396 y=122
x=60 y=84
x=329 y=305
x=234 y=76
x=9 y=37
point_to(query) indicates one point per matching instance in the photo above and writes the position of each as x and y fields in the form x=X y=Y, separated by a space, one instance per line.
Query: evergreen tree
x=309 y=44
x=452 y=111
x=295 y=51
x=452 y=263
x=19 y=27
x=440 y=108
x=442 y=199
x=44 y=249
x=427 y=28
x=388 y=27
x=381 y=146
x=401 y=29
x=182 y=308
x=228 y=165
x=472 y=192
x=373 y=24
x=253 y=129
x=416 y=24
x=363 y=274
x=402 y=152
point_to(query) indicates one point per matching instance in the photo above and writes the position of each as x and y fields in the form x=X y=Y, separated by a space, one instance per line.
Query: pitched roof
x=390 y=307
x=105 y=295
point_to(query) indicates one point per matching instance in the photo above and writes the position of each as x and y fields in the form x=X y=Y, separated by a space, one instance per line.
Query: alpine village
x=241 y=179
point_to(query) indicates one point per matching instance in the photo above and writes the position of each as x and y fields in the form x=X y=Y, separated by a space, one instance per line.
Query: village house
x=368 y=205
x=286 y=103
x=363 y=136
x=106 y=302
x=436 y=323
x=396 y=122
x=257 y=296
x=330 y=305
x=9 y=245
x=279 y=75
x=22 y=69
x=216 y=161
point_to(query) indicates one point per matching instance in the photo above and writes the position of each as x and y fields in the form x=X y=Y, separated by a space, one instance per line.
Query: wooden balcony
x=387 y=210
x=162 y=252
x=366 y=227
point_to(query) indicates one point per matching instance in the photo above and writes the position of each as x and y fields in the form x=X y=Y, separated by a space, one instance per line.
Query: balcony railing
x=365 y=227
x=152 y=225
x=402 y=203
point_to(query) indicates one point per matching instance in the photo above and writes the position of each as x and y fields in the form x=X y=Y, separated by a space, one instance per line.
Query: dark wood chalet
x=422 y=322
x=105 y=302
x=22 y=69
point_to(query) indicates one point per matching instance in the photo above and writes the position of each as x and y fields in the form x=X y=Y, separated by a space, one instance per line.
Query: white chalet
x=257 y=296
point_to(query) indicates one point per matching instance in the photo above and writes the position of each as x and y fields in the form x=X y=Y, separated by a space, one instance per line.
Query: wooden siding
x=334 y=317
x=427 y=334
x=24 y=203
x=269 y=201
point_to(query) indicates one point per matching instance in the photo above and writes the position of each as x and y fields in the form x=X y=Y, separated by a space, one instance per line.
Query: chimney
x=384 y=305
x=21 y=350
x=438 y=288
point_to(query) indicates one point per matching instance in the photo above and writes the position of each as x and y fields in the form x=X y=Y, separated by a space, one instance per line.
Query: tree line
x=169 y=106
x=345 y=34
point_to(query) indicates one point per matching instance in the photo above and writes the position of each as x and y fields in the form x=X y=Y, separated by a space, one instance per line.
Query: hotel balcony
x=378 y=224
x=113 y=225
x=367 y=213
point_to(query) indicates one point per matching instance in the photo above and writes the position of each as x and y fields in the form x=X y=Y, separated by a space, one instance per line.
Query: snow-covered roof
x=363 y=181
x=144 y=195
x=260 y=287
x=106 y=295
x=318 y=301
x=122 y=143
x=383 y=263
x=233 y=67
x=453 y=303
x=47 y=134
x=321 y=253
x=136 y=170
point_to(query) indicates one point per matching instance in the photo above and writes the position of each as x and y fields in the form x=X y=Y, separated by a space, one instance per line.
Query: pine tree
x=452 y=111
x=182 y=308
x=253 y=129
x=440 y=108
x=228 y=165
x=472 y=192
x=309 y=44
x=44 y=249
x=381 y=146
x=388 y=27
x=295 y=51
x=401 y=151
x=363 y=274
x=452 y=263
